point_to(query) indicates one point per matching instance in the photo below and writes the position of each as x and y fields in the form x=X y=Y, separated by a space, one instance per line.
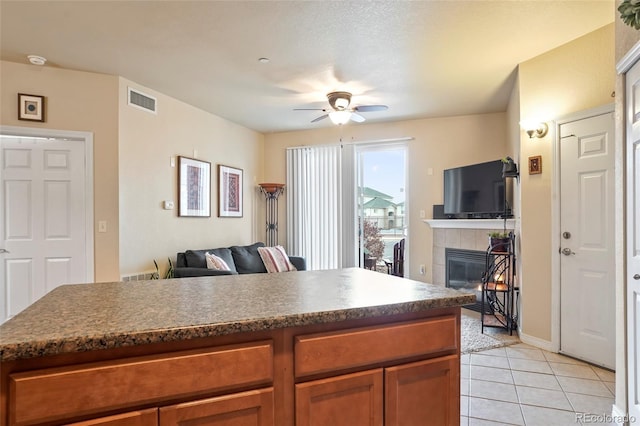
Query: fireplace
x=463 y=271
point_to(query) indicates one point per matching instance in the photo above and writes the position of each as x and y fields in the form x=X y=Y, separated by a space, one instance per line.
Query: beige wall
x=437 y=144
x=147 y=144
x=79 y=101
x=574 y=77
x=132 y=172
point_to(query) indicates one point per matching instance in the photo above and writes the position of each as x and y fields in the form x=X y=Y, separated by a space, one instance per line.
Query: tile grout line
x=524 y=419
x=547 y=362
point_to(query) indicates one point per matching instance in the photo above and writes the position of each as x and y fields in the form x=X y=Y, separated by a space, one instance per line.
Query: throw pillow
x=275 y=259
x=247 y=259
x=216 y=262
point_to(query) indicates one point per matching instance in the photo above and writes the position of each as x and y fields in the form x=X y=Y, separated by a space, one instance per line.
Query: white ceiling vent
x=140 y=100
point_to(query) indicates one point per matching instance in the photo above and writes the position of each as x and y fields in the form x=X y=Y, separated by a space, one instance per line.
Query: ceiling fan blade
x=310 y=109
x=322 y=117
x=370 y=108
x=357 y=117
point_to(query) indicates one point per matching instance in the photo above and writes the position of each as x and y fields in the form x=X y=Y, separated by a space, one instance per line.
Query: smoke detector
x=36 y=60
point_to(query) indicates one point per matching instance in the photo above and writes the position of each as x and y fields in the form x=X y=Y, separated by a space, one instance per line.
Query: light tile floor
x=524 y=385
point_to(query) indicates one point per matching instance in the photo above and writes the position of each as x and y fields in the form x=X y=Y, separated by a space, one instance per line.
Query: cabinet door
x=423 y=393
x=352 y=399
x=134 y=418
x=240 y=409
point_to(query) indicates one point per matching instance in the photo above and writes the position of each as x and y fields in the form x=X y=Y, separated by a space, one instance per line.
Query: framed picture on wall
x=30 y=107
x=535 y=165
x=194 y=187
x=229 y=191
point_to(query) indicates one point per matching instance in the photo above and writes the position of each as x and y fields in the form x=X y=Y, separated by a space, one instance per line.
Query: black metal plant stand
x=499 y=289
x=271 y=192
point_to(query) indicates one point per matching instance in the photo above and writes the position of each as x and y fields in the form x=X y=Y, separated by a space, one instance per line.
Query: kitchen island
x=347 y=346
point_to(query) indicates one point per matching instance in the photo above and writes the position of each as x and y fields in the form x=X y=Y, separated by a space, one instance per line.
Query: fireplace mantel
x=470 y=223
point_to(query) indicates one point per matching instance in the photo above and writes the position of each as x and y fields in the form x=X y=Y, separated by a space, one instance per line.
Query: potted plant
x=509 y=167
x=500 y=241
x=169 y=274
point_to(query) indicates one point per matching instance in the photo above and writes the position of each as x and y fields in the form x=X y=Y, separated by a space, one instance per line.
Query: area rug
x=473 y=340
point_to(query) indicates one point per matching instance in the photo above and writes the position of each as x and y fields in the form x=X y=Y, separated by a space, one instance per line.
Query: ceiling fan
x=341 y=113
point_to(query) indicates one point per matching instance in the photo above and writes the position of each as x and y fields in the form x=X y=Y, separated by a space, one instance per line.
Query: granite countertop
x=84 y=317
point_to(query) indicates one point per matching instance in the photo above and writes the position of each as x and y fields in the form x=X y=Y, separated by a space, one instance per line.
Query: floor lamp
x=271 y=193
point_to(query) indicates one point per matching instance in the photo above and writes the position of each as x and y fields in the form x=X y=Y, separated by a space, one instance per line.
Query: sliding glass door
x=381 y=207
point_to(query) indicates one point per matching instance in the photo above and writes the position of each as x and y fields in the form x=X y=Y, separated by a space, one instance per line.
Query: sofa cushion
x=185 y=271
x=275 y=259
x=197 y=258
x=247 y=259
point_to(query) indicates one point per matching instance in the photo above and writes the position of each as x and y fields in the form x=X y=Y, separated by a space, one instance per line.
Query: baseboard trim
x=538 y=343
x=618 y=416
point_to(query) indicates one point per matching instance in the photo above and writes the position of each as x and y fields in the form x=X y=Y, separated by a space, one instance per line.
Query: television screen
x=477 y=190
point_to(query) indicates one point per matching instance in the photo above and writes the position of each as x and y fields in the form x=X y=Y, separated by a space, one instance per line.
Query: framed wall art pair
x=194 y=189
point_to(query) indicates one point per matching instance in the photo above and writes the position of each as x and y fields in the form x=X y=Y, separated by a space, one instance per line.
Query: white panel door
x=632 y=275
x=587 y=288
x=42 y=234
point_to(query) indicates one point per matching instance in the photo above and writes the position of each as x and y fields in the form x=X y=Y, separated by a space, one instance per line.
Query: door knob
x=636 y=277
x=566 y=235
x=567 y=252
x=3 y=251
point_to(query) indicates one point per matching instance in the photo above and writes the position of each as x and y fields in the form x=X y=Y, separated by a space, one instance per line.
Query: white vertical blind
x=349 y=244
x=322 y=206
x=314 y=205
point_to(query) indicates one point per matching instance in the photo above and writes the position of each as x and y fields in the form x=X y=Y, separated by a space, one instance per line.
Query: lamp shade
x=271 y=187
x=340 y=117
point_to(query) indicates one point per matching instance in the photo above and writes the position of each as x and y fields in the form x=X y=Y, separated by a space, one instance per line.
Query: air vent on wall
x=142 y=101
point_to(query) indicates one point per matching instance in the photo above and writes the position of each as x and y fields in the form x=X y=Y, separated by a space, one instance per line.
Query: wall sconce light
x=537 y=130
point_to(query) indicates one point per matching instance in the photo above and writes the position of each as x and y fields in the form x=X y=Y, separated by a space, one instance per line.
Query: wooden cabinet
x=352 y=399
x=418 y=393
x=423 y=393
x=57 y=393
x=395 y=370
x=252 y=408
x=134 y=418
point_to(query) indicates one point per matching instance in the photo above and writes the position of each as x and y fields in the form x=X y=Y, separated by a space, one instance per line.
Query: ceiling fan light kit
x=340 y=102
x=340 y=117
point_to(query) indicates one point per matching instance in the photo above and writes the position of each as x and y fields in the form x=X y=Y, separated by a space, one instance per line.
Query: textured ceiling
x=421 y=58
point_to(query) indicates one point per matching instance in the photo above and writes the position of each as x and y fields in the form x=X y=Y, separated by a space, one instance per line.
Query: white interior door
x=42 y=198
x=587 y=262
x=632 y=276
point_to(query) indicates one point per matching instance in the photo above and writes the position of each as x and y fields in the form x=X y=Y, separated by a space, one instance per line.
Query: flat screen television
x=477 y=191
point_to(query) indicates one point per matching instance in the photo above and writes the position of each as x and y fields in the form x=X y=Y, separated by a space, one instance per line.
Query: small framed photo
x=535 y=165
x=30 y=107
x=194 y=182
x=229 y=191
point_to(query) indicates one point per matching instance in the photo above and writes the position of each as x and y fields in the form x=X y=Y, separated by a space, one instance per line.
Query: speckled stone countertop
x=84 y=317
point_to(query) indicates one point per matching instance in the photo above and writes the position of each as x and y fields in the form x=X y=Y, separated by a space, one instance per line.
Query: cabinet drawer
x=58 y=393
x=344 y=349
